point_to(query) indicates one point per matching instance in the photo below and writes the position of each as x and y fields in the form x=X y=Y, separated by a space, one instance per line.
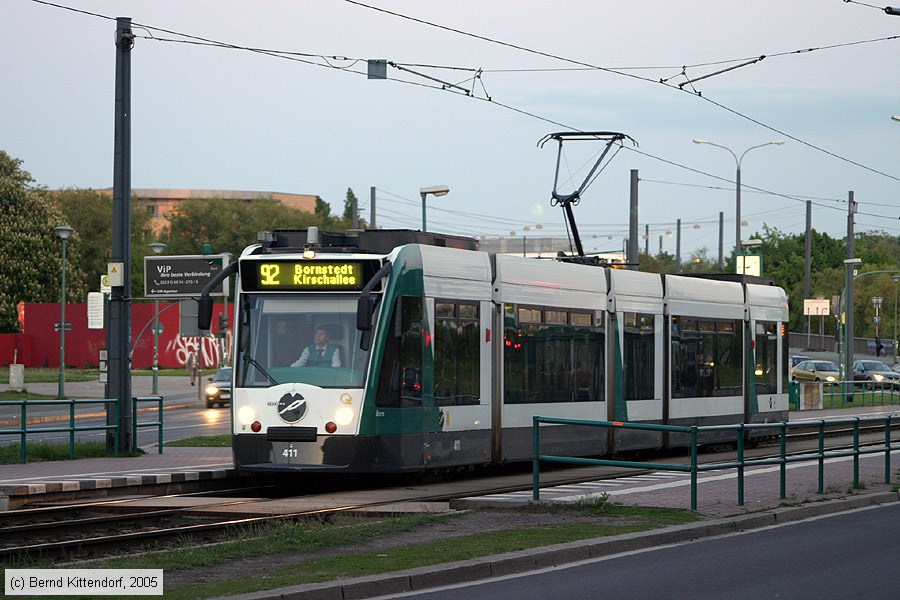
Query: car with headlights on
x=218 y=390
x=817 y=371
x=876 y=373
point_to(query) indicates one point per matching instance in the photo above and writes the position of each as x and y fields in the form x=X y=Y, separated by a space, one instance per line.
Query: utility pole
x=632 y=258
x=372 y=208
x=807 y=287
x=849 y=263
x=118 y=334
x=678 y=247
x=721 y=239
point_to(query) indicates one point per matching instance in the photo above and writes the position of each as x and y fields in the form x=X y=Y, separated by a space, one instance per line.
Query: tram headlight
x=344 y=416
x=246 y=415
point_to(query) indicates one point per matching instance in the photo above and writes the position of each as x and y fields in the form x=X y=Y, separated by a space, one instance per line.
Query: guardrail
x=812 y=395
x=24 y=430
x=158 y=423
x=740 y=463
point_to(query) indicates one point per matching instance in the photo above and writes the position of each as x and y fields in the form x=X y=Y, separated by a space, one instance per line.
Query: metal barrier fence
x=810 y=395
x=24 y=430
x=741 y=462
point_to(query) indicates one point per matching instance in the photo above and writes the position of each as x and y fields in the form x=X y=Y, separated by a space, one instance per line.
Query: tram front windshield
x=301 y=338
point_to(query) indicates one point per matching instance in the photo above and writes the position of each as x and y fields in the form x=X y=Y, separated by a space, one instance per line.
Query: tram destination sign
x=306 y=275
x=182 y=276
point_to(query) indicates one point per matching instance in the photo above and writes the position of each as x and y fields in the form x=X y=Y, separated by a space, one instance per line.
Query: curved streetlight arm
x=773 y=142
x=737 y=162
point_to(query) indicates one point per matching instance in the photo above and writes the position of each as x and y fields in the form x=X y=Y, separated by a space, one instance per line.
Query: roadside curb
x=511 y=563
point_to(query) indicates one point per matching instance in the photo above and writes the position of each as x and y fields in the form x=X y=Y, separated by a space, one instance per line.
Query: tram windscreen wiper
x=260 y=368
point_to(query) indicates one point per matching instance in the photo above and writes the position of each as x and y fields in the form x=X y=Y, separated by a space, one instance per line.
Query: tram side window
x=706 y=357
x=400 y=380
x=638 y=356
x=551 y=355
x=456 y=353
x=766 y=367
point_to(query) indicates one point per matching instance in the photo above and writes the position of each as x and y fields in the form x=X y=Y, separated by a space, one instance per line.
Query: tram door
x=399 y=399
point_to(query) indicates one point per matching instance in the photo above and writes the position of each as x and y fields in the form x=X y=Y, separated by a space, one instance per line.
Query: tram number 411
x=65 y=326
x=289 y=452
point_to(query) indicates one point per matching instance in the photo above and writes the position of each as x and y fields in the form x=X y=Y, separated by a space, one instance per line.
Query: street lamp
x=895 y=117
x=434 y=190
x=737 y=162
x=157 y=248
x=64 y=234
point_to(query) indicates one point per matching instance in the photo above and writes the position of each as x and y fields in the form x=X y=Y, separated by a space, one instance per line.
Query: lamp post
x=434 y=190
x=64 y=234
x=157 y=248
x=737 y=185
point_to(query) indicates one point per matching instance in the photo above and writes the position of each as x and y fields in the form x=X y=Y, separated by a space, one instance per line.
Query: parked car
x=218 y=391
x=816 y=370
x=876 y=372
x=796 y=359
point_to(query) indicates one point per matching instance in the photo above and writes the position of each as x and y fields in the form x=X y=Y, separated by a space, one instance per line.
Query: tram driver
x=321 y=353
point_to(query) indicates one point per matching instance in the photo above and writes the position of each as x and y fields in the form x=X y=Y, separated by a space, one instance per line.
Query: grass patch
x=13 y=395
x=43 y=452
x=46 y=375
x=209 y=441
x=326 y=562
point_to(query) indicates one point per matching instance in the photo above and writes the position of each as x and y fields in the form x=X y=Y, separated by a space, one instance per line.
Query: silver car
x=875 y=372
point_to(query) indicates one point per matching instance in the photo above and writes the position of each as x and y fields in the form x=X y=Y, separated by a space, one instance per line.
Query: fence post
x=134 y=420
x=856 y=453
x=159 y=441
x=887 y=449
x=116 y=431
x=740 y=460
x=24 y=422
x=783 y=465
x=693 y=467
x=822 y=456
x=535 y=463
x=71 y=429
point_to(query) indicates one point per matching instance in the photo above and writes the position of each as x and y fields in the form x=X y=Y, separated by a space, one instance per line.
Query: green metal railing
x=842 y=394
x=158 y=423
x=741 y=462
x=24 y=430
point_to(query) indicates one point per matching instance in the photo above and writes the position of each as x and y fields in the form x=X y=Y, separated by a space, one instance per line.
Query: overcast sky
x=301 y=118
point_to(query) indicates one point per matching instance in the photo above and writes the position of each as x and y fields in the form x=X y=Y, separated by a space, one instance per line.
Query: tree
x=89 y=211
x=30 y=270
x=231 y=225
x=350 y=206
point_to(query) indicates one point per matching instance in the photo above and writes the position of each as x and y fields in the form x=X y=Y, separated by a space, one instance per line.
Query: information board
x=182 y=276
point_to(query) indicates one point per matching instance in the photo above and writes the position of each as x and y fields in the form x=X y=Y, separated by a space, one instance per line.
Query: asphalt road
x=848 y=555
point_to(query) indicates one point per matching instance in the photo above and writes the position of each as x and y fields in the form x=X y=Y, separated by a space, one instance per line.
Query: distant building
x=161 y=201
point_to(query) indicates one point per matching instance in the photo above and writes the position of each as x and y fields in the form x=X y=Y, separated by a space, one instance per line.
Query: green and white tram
x=444 y=353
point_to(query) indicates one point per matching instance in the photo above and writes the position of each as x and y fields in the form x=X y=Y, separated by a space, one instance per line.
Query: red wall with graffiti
x=38 y=345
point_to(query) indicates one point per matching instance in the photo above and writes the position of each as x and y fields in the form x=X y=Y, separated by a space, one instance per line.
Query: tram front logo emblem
x=291 y=408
